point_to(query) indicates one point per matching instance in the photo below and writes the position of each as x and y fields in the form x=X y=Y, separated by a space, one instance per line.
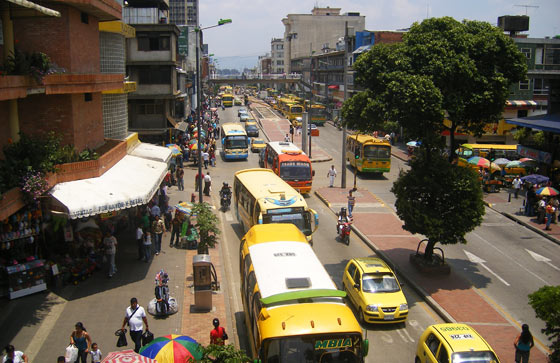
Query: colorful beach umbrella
x=479 y=161
x=184 y=207
x=549 y=191
x=502 y=161
x=535 y=179
x=172 y=348
x=126 y=356
x=526 y=159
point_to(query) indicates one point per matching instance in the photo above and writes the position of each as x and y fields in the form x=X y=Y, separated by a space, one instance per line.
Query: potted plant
x=207 y=225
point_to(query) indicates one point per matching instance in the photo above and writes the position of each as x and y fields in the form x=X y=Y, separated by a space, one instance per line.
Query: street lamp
x=198 y=103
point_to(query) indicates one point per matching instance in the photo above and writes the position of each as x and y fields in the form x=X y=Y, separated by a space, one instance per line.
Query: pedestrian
x=15 y=356
x=523 y=344
x=541 y=210
x=218 y=335
x=212 y=157
x=168 y=216
x=198 y=181
x=392 y=135
x=516 y=183
x=180 y=175
x=555 y=204
x=140 y=241
x=530 y=199
x=287 y=138
x=134 y=316
x=331 y=175
x=61 y=359
x=158 y=227
x=351 y=202
x=205 y=158
x=96 y=355
x=155 y=211
x=176 y=224
x=110 y=244
x=207 y=184
x=147 y=244
x=549 y=210
x=81 y=339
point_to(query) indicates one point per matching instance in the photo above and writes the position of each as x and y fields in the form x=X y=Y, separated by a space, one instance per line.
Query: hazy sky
x=256 y=22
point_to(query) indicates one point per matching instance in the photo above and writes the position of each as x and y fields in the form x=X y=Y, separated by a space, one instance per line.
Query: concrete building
x=277 y=56
x=306 y=34
x=264 y=65
x=158 y=103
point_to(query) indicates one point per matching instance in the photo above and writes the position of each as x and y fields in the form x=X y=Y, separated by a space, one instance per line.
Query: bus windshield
x=295 y=170
x=312 y=349
x=296 y=109
x=295 y=216
x=377 y=152
x=236 y=142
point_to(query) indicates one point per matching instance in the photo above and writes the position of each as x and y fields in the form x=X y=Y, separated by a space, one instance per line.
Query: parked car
x=374 y=290
x=257 y=144
x=252 y=129
x=453 y=343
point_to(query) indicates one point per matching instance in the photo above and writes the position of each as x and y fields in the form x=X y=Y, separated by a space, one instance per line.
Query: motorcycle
x=344 y=232
x=162 y=296
x=225 y=201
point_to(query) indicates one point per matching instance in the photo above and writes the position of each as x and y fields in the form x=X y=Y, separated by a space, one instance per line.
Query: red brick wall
x=79 y=123
x=69 y=43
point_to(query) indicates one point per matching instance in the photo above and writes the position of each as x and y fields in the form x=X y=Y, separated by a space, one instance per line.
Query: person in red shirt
x=218 y=335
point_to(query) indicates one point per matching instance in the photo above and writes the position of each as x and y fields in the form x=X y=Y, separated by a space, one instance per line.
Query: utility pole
x=199 y=116
x=304 y=126
x=343 y=170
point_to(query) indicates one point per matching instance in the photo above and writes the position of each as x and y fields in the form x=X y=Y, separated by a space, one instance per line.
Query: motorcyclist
x=342 y=218
x=225 y=191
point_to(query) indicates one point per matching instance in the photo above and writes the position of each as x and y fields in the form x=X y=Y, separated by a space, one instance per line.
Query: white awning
x=152 y=152
x=132 y=181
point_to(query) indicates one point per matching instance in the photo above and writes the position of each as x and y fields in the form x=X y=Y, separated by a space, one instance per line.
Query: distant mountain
x=237 y=62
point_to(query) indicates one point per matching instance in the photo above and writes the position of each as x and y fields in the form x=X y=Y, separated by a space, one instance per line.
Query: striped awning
x=39 y=8
x=527 y=103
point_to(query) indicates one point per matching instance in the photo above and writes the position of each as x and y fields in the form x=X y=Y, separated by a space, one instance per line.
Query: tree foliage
x=442 y=67
x=439 y=200
x=546 y=303
x=223 y=354
x=207 y=225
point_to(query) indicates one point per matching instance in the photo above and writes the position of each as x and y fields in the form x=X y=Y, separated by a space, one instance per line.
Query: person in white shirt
x=96 y=354
x=16 y=356
x=331 y=174
x=135 y=316
x=207 y=184
x=516 y=183
x=140 y=241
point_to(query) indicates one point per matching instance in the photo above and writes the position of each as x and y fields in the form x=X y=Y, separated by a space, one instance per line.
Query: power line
x=527 y=7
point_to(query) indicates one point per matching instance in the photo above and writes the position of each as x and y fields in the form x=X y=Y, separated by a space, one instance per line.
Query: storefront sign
x=540 y=156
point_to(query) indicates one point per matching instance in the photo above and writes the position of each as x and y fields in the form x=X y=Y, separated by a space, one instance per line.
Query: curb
x=419 y=290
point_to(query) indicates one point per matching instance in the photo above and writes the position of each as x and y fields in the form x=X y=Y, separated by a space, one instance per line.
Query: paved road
x=396 y=341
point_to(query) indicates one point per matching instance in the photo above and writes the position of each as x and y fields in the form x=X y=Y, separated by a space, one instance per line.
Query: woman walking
x=81 y=339
x=523 y=345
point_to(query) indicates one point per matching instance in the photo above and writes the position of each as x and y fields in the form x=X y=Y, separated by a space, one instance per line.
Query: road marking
x=229 y=217
x=475 y=259
x=513 y=260
x=405 y=337
x=434 y=316
x=387 y=338
x=540 y=258
x=46 y=327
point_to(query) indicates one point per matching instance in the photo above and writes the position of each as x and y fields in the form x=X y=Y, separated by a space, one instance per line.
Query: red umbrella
x=127 y=356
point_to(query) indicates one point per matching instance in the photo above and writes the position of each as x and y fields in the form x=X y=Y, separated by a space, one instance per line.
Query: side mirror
x=357 y=286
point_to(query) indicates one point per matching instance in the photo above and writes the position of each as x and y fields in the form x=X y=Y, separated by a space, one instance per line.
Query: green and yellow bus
x=235 y=143
x=289 y=109
x=368 y=154
x=227 y=99
x=318 y=114
x=467 y=151
x=293 y=310
x=262 y=197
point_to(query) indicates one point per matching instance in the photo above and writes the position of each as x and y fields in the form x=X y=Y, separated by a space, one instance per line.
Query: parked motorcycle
x=344 y=232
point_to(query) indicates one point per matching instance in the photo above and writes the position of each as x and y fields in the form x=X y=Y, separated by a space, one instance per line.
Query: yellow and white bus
x=293 y=310
x=467 y=151
x=227 y=99
x=235 y=143
x=290 y=109
x=262 y=197
x=368 y=154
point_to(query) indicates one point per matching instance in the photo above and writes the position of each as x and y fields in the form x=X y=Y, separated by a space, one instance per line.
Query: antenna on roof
x=527 y=7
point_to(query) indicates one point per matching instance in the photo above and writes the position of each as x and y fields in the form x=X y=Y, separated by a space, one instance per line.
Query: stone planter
x=13 y=87
x=436 y=267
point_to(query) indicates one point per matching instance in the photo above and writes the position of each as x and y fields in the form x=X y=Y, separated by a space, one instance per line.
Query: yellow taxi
x=257 y=144
x=374 y=290
x=448 y=343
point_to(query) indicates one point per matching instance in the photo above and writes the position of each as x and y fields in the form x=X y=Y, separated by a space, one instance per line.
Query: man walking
x=516 y=183
x=110 y=244
x=180 y=182
x=135 y=315
x=207 y=184
x=351 y=203
x=331 y=175
x=198 y=181
x=158 y=227
x=176 y=224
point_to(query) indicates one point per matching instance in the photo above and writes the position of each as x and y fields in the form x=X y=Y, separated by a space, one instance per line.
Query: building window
x=88 y=97
x=540 y=86
x=526 y=52
x=85 y=18
x=524 y=85
x=154 y=75
x=279 y=62
x=150 y=107
x=539 y=55
x=552 y=56
x=152 y=43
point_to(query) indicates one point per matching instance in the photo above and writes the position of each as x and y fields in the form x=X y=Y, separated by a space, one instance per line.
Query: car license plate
x=389 y=317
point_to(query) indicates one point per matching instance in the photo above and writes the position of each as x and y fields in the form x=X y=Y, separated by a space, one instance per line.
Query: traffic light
x=492 y=155
x=357 y=153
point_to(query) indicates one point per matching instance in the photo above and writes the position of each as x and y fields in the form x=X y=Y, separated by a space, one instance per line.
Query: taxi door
x=433 y=351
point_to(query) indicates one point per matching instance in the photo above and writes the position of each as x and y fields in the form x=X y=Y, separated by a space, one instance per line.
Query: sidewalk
x=381 y=229
x=40 y=324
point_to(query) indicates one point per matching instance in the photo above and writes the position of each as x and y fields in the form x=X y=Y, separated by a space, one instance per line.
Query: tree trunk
x=429 y=250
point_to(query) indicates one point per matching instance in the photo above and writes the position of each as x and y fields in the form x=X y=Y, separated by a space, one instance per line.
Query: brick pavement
x=451 y=295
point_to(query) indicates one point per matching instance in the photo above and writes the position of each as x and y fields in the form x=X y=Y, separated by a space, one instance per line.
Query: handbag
x=147 y=337
x=71 y=353
x=121 y=342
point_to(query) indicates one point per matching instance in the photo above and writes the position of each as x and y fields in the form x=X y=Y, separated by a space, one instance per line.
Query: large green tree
x=546 y=303
x=443 y=68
